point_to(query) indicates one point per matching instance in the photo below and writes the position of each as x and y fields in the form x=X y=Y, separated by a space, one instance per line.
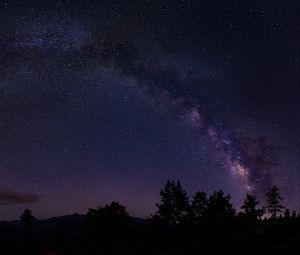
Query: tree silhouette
x=250 y=208
x=273 y=199
x=287 y=213
x=29 y=238
x=181 y=203
x=107 y=223
x=199 y=206
x=165 y=208
x=219 y=208
x=110 y=213
x=174 y=206
x=27 y=219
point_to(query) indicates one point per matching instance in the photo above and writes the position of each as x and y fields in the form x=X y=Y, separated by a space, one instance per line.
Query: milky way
x=106 y=101
x=246 y=158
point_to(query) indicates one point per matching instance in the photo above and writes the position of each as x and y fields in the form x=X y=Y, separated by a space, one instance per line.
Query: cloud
x=10 y=197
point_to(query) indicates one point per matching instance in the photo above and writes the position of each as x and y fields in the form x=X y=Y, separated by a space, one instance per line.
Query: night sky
x=106 y=100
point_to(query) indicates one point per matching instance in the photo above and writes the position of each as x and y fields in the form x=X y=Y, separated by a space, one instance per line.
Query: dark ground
x=73 y=234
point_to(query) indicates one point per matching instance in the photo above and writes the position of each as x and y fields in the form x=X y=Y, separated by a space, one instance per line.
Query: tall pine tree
x=250 y=208
x=174 y=206
x=273 y=199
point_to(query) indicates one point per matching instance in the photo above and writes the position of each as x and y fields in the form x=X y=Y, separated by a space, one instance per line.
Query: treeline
x=202 y=224
x=176 y=207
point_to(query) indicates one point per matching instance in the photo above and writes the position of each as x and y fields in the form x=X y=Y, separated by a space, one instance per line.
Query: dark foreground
x=75 y=234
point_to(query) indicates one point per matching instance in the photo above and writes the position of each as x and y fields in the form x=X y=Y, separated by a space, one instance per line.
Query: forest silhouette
x=202 y=224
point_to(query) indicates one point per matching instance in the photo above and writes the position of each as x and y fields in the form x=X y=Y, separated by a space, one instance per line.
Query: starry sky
x=106 y=100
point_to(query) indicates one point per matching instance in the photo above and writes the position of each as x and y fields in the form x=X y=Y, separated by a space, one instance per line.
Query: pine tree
x=174 y=206
x=273 y=199
x=181 y=202
x=250 y=207
x=199 y=206
x=287 y=214
x=165 y=208
x=219 y=208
